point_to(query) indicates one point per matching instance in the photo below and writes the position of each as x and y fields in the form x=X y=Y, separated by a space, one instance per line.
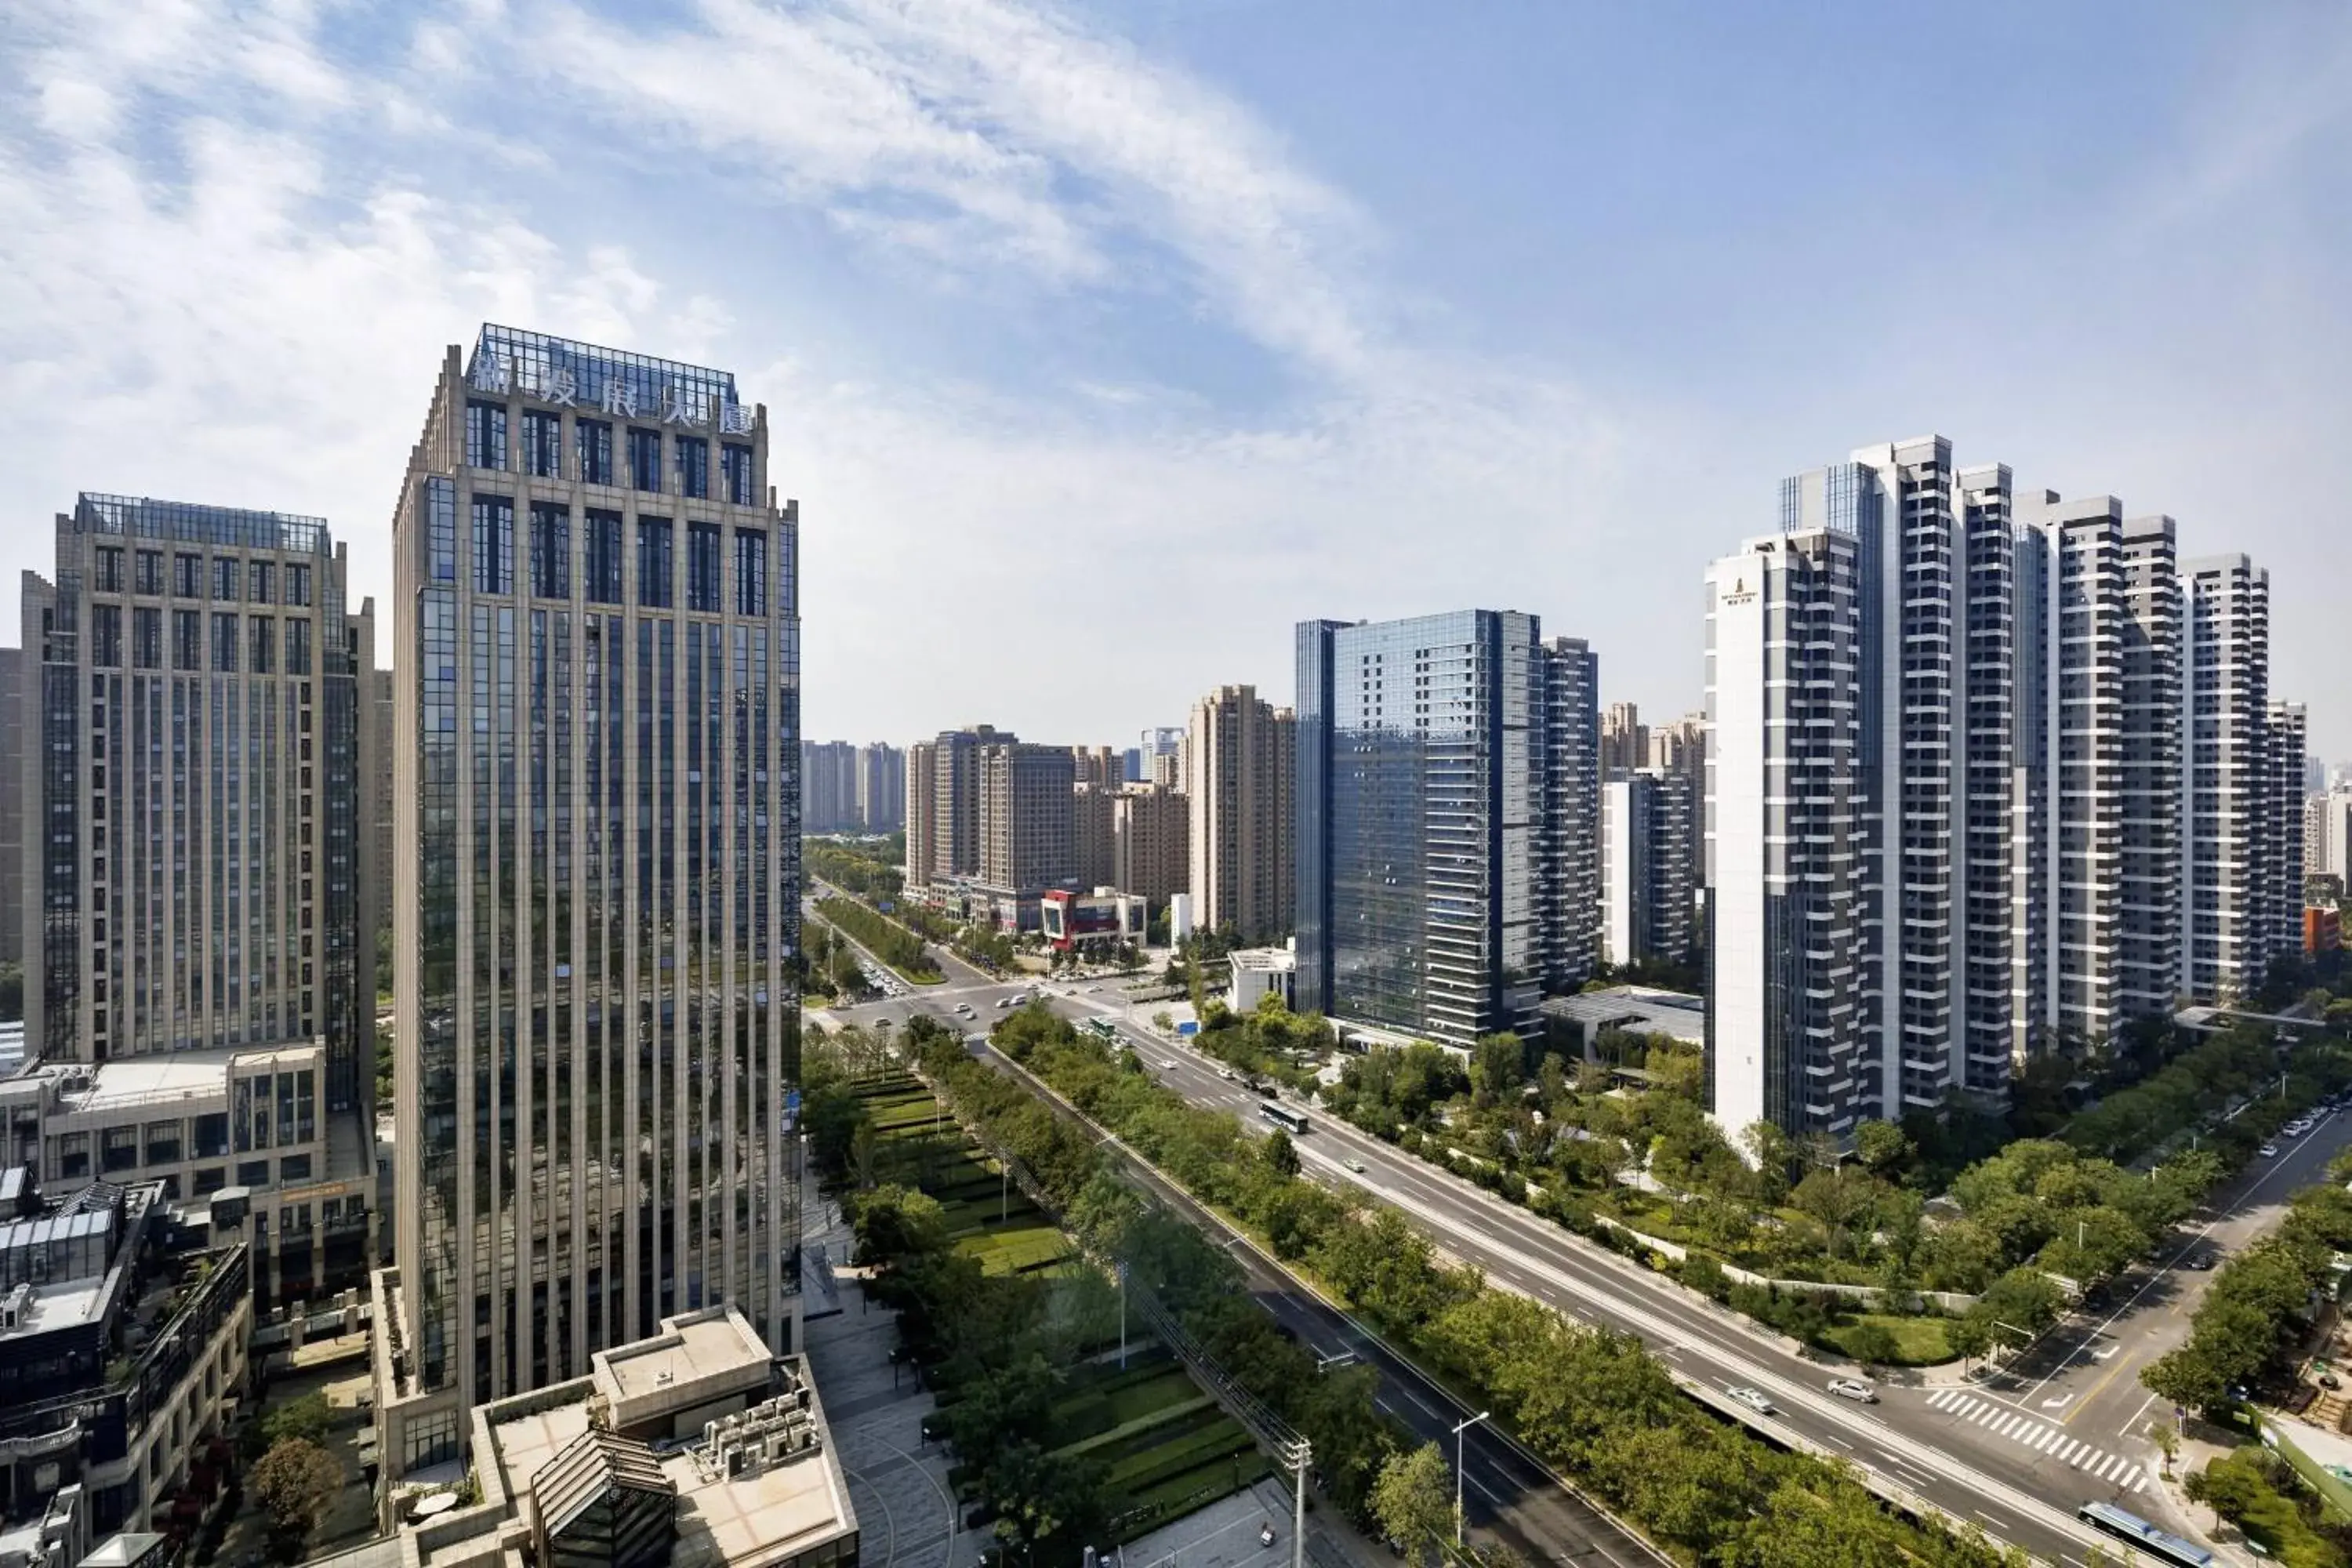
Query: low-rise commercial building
x=236 y=1140
x=1106 y=916
x=120 y=1359
x=694 y=1449
x=1260 y=971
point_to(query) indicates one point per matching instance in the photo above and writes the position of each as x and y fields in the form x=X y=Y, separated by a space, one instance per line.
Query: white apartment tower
x=2227 y=865
x=598 y=905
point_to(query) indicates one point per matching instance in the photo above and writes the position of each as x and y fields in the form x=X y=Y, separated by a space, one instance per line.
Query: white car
x=1225 y=1073
x=1755 y=1400
x=2269 y=1151
x=1167 y=1066
x=1854 y=1389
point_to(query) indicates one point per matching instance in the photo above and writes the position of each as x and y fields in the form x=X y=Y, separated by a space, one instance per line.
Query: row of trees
x=1271 y=1041
x=2256 y=1309
x=1590 y=1402
x=868 y=871
x=885 y=938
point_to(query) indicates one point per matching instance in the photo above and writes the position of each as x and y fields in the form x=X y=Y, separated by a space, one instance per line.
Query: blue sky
x=1102 y=344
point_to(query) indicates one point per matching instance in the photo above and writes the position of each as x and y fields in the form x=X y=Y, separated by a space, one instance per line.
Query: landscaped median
x=883 y=937
x=1591 y=1402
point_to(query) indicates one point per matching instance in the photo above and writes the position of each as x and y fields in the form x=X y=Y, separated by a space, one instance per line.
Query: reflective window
x=188 y=576
x=735 y=461
x=260 y=580
x=150 y=571
x=224 y=630
x=654 y=563
x=594 y=439
x=263 y=630
x=702 y=567
x=297 y=586
x=440 y=531
x=225 y=578
x=551 y=550
x=108 y=575
x=751 y=571
x=486 y=434
x=147 y=639
x=298 y=648
x=105 y=637
x=645 y=459
x=493 y=544
x=600 y=556
x=187 y=639
x=542 y=443
x=693 y=466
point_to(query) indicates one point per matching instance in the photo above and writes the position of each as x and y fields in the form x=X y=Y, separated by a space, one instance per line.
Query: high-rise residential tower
x=1784 y=829
x=1624 y=741
x=1151 y=829
x=12 y=807
x=1648 y=819
x=1024 y=818
x=193 y=774
x=881 y=787
x=1239 y=761
x=2230 y=844
x=598 y=757
x=1436 y=810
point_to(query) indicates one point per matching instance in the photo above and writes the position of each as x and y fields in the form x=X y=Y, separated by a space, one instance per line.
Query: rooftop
x=560 y=369
x=1638 y=1007
x=143 y=517
x=174 y=1076
x=1273 y=960
x=694 y=1359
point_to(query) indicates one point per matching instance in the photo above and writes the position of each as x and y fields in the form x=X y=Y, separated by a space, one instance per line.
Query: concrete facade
x=1239 y=761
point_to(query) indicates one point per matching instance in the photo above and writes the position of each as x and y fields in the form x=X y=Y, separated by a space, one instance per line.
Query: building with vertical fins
x=598 y=747
x=1447 y=769
x=195 y=880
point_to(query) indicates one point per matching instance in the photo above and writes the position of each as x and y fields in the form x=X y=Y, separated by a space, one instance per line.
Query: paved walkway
x=898 y=1483
x=1228 y=1534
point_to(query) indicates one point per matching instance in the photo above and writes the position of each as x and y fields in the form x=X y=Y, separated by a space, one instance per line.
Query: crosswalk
x=2007 y=1421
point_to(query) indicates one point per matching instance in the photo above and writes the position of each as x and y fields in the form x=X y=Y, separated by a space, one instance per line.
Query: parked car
x=1854 y=1389
x=1755 y=1400
x=2268 y=1151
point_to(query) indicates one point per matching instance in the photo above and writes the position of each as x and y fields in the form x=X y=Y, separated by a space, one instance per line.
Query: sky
x=1102 y=344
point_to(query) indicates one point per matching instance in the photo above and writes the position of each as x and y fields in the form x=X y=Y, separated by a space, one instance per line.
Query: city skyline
x=1398 y=328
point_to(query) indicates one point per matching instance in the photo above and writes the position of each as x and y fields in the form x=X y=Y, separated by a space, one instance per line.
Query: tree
x=2167 y=1437
x=895 y=1224
x=293 y=1484
x=1872 y=1344
x=1412 y=1499
x=1882 y=1146
x=1281 y=1155
x=1969 y=1336
x=1499 y=1067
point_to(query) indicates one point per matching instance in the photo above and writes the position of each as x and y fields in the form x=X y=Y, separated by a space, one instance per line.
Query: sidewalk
x=899 y=1485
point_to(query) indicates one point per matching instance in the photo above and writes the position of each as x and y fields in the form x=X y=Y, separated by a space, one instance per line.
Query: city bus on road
x=1283 y=1116
x=2162 y=1545
x=1103 y=1029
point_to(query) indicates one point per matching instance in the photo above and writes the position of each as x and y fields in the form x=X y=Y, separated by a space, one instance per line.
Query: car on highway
x=1854 y=1389
x=1225 y=1073
x=1357 y=1166
x=2200 y=1261
x=963 y=1010
x=2268 y=1151
x=1754 y=1399
x=1168 y=1065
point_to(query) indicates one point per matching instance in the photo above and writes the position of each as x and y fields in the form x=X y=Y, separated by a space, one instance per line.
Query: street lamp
x=1461 y=1447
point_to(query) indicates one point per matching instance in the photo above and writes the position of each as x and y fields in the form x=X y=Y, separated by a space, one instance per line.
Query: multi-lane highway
x=1506 y=1493
x=2017 y=1454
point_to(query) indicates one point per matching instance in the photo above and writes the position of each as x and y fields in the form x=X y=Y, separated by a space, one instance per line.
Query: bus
x=1103 y=1029
x=1283 y=1116
x=2165 y=1547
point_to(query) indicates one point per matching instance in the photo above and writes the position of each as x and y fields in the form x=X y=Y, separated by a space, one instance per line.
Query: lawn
x=1919 y=1341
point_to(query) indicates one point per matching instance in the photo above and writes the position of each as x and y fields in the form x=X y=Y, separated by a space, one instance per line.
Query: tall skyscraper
x=192 y=684
x=1151 y=829
x=1785 y=1038
x=1239 y=761
x=1433 y=797
x=12 y=807
x=944 y=789
x=599 y=761
x=2288 y=738
x=922 y=813
x=1568 y=883
x=2228 y=870
x=830 y=787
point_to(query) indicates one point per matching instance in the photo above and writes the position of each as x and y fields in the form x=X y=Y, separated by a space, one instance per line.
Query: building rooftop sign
x=580 y=376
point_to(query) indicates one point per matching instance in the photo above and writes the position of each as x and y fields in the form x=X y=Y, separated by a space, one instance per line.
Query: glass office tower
x=1432 y=848
x=597 y=904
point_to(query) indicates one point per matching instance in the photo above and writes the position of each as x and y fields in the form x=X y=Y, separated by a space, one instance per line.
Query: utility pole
x=1461 y=1449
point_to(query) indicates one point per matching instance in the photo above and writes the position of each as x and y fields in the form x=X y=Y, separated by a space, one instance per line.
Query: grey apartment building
x=192 y=796
x=1441 y=818
x=598 y=754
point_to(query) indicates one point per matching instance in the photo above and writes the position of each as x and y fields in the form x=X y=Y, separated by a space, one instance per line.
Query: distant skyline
x=1102 y=345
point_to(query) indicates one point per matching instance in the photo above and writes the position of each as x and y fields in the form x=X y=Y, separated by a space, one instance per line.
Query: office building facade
x=1239 y=758
x=192 y=679
x=1431 y=818
x=1568 y=887
x=599 y=772
x=12 y=807
x=1648 y=818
